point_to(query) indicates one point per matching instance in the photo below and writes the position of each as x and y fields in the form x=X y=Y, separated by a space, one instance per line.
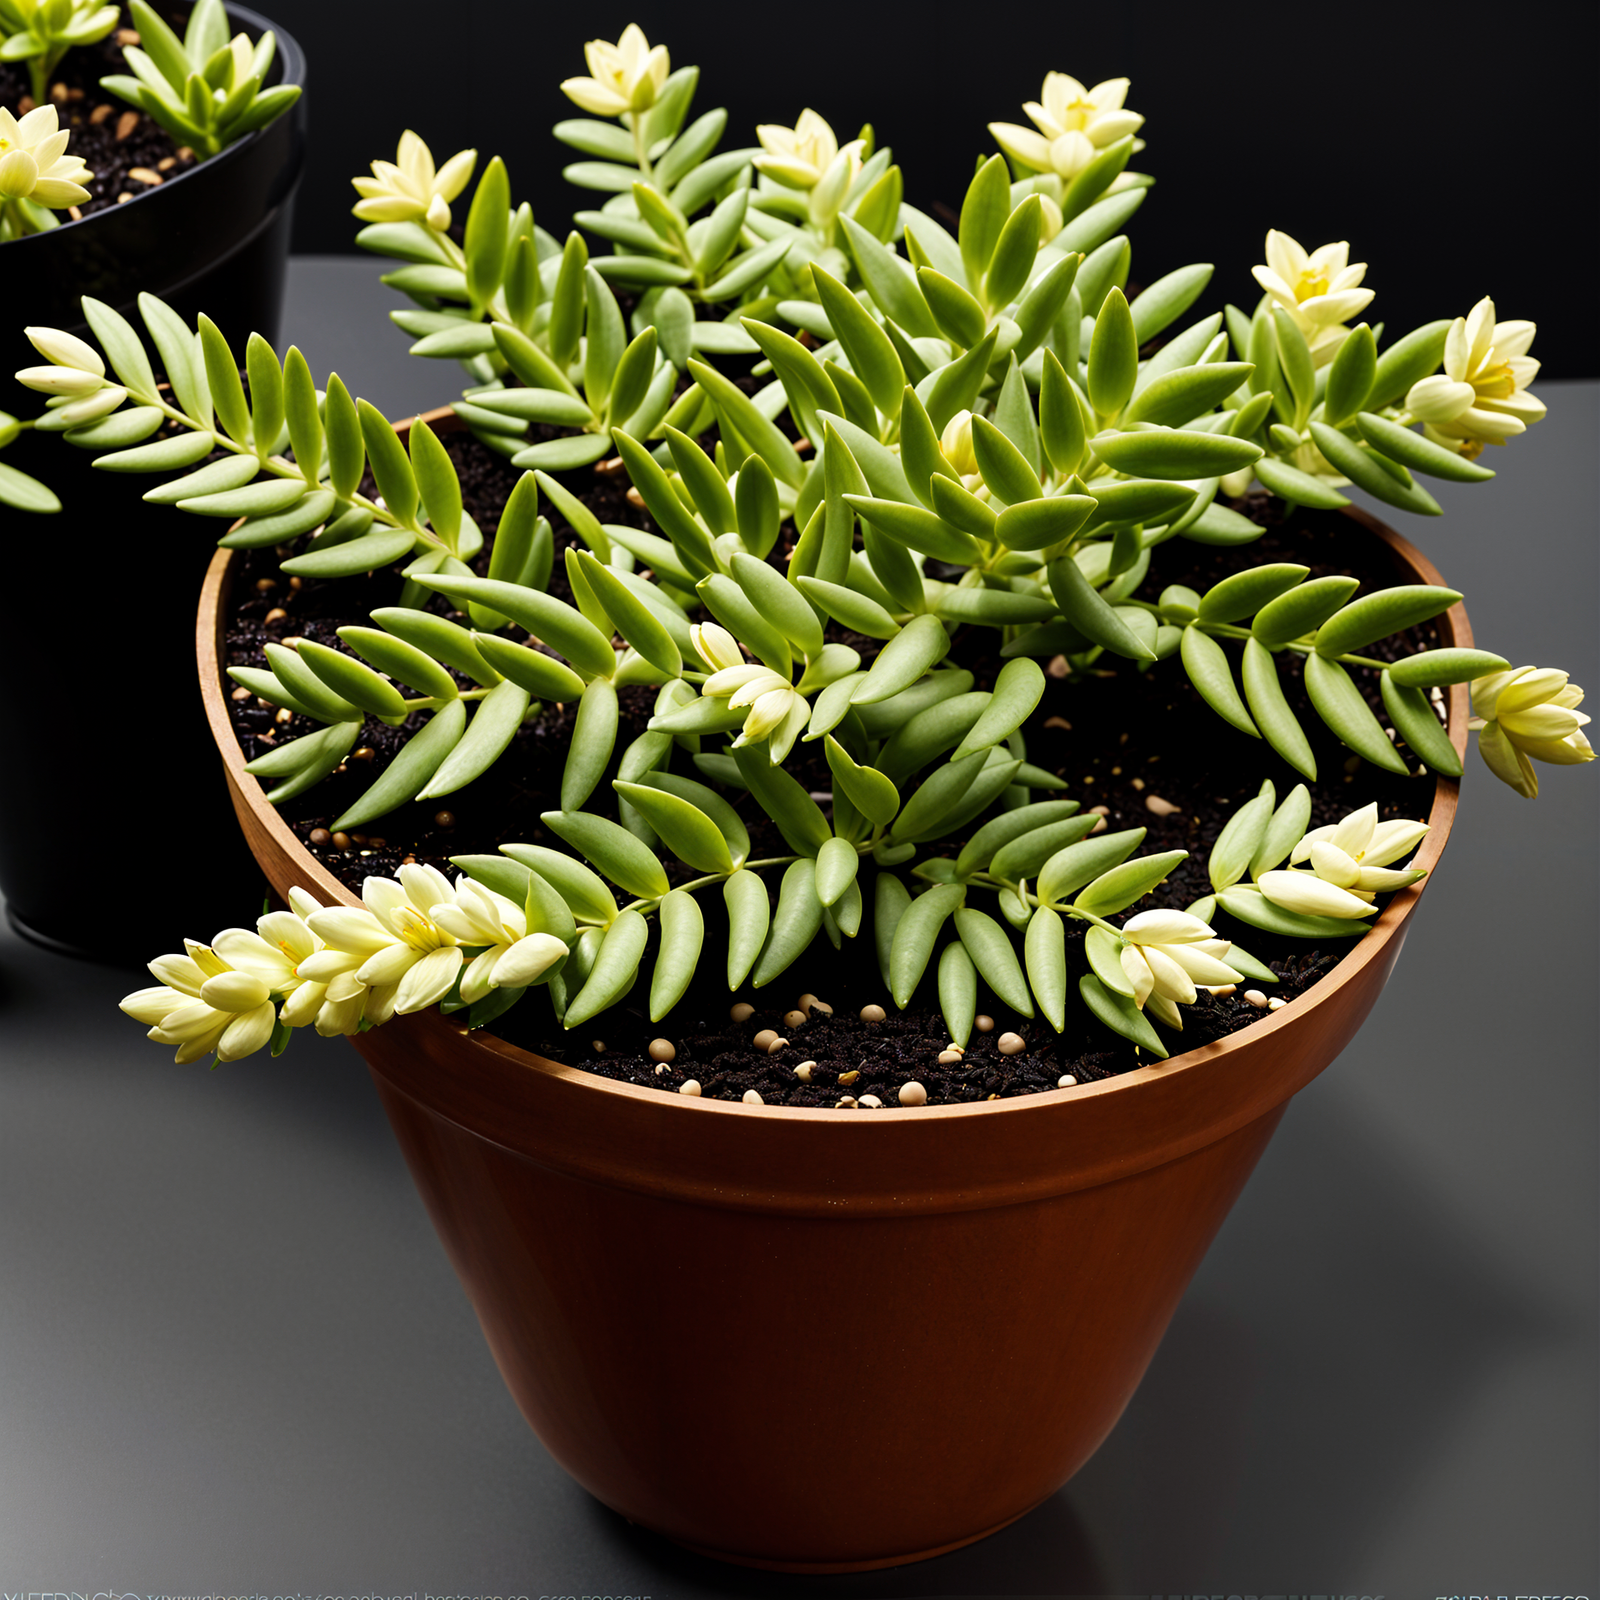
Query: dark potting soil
x=127 y=151
x=1145 y=754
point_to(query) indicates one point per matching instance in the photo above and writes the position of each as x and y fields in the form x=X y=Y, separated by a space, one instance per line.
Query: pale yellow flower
x=512 y=957
x=955 y=445
x=76 y=369
x=34 y=164
x=1480 y=398
x=1168 y=956
x=204 y=1006
x=409 y=189
x=625 y=76
x=1349 y=863
x=777 y=709
x=393 y=940
x=715 y=646
x=1073 y=125
x=802 y=155
x=1320 y=290
x=1528 y=712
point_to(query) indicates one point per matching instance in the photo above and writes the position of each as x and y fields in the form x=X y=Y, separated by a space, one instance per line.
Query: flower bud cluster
x=623 y=77
x=1349 y=866
x=34 y=164
x=342 y=968
x=1168 y=956
x=1481 y=396
x=410 y=189
x=1529 y=714
x=1073 y=124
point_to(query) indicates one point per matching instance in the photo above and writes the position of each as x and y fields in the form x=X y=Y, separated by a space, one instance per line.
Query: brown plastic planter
x=675 y=1289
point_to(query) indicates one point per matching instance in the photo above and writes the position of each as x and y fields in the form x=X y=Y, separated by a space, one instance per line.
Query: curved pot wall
x=826 y=1340
x=214 y=239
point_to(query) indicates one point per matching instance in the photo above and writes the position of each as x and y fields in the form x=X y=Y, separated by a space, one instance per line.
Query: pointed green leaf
x=1339 y=703
x=1120 y=1014
x=992 y=954
x=958 y=992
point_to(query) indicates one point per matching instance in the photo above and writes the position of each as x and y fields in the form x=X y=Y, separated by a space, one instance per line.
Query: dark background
x=1452 y=145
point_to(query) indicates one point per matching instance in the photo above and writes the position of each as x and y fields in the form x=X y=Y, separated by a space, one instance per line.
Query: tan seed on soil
x=598 y=1046
x=266 y=585
x=127 y=36
x=872 y=1013
x=320 y=836
x=1276 y=1003
x=1223 y=989
x=949 y=1057
x=913 y=1094
x=1058 y=667
x=803 y=1071
x=635 y=499
x=340 y=841
x=689 y=1086
x=146 y=175
x=1137 y=783
x=846 y=1104
x=1254 y=997
x=126 y=123
x=276 y=614
x=983 y=1024
x=661 y=1072
x=240 y=694
x=444 y=819
x=793 y=1019
x=809 y=1002
x=58 y=93
x=284 y=715
x=1058 y=722
x=608 y=468
x=1011 y=1044
x=663 y=1050
x=1161 y=808
x=847 y=1078
x=763 y=1040
x=1065 y=1081
x=100 y=113
x=776 y=1046
x=1100 y=811
x=166 y=163
x=751 y=1098
x=872 y=1101
x=365 y=753
x=742 y=1012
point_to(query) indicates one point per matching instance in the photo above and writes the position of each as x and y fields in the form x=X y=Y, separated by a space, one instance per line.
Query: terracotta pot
x=676 y=1289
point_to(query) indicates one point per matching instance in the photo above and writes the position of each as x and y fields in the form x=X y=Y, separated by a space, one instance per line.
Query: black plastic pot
x=122 y=575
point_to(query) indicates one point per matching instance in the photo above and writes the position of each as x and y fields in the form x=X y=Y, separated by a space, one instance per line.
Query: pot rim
x=291 y=62
x=1199 y=1102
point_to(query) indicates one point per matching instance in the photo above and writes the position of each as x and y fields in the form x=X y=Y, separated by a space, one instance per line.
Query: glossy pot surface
x=829 y=1340
x=214 y=239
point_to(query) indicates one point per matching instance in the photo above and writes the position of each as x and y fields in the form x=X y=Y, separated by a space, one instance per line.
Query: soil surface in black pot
x=1139 y=747
x=127 y=151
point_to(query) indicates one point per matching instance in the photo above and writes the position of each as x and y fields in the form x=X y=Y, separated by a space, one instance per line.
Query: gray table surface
x=233 y=1358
